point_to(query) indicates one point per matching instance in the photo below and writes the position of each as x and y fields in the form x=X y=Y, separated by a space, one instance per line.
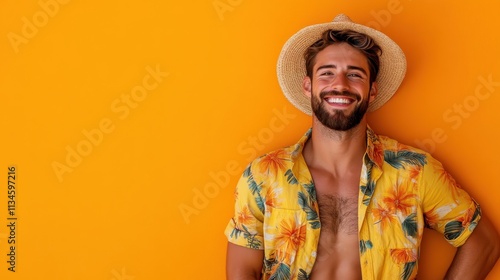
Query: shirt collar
x=374 y=149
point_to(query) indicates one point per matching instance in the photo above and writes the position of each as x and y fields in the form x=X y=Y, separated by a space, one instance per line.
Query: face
x=340 y=88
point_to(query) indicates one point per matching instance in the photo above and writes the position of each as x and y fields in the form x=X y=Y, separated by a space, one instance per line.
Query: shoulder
x=416 y=162
x=392 y=144
x=279 y=159
x=273 y=162
x=395 y=151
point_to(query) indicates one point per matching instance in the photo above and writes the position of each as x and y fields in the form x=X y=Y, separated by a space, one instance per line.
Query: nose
x=340 y=83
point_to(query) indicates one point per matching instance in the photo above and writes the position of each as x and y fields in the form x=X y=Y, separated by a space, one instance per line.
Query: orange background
x=75 y=77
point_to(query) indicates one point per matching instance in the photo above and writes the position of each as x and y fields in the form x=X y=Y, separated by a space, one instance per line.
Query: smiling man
x=344 y=202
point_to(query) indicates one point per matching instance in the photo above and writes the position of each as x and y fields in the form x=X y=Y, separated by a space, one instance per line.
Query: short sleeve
x=448 y=208
x=245 y=227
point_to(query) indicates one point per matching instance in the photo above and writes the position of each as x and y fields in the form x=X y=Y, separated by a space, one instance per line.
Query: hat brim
x=291 y=63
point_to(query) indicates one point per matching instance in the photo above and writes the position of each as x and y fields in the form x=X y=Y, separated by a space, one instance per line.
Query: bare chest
x=337 y=254
x=338 y=214
x=338 y=203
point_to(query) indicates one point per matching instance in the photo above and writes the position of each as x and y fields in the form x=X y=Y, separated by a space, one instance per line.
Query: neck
x=334 y=150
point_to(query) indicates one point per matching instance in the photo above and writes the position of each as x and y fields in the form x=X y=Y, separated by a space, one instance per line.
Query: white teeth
x=338 y=100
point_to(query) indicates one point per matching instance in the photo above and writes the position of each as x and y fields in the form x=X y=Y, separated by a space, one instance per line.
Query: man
x=344 y=202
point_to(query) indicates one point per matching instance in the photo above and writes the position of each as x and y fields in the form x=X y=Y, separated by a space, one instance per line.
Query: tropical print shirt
x=402 y=189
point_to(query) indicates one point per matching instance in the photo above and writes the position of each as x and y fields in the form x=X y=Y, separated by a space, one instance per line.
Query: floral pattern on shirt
x=402 y=189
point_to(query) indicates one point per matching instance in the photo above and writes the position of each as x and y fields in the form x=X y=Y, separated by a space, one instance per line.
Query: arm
x=478 y=255
x=450 y=210
x=243 y=263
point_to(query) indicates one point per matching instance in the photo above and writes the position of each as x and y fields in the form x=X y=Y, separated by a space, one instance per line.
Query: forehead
x=341 y=54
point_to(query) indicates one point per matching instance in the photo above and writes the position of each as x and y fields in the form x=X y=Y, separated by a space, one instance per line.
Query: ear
x=373 y=91
x=307 y=86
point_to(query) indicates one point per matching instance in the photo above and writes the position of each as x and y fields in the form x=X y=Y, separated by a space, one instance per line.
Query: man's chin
x=339 y=119
x=339 y=116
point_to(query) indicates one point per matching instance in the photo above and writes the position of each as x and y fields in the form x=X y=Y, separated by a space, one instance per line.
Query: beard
x=338 y=121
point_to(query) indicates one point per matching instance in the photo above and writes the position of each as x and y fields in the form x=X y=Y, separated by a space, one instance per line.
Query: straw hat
x=292 y=70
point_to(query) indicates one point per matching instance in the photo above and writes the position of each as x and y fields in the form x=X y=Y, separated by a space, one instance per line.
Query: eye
x=327 y=73
x=354 y=75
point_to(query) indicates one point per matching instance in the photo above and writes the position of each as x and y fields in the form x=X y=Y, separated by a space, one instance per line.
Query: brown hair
x=360 y=41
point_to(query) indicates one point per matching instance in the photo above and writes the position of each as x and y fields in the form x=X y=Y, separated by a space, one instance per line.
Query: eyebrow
x=351 y=67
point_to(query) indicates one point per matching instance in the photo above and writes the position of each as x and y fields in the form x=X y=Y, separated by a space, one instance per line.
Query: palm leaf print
x=311 y=190
x=254 y=188
x=260 y=203
x=251 y=241
x=236 y=232
x=476 y=213
x=269 y=264
x=368 y=191
x=369 y=165
x=370 y=185
x=399 y=159
x=410 y=225
x=252 y=185
x=453 y=230
x=303 y=275
x=364 y=245
x=282 y=272
x=303 y=200
x=247 y=172
x=290 y=177
x=408 y=270
x=312 y=216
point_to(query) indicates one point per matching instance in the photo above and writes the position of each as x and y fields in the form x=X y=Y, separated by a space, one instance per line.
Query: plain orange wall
x=120 y=115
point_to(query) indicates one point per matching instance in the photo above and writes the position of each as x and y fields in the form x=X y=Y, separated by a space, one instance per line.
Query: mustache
x=339 y=93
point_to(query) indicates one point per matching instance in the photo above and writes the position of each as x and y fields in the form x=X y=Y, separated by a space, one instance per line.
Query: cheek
x=320 y=85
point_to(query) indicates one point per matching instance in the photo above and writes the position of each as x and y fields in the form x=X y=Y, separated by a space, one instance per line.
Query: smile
x=338 y=100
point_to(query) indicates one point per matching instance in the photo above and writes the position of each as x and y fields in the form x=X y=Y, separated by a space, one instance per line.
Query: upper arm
x=484 y=240
x=478 y=255
x=243 y=263
x=447 y=207
x=245 y=249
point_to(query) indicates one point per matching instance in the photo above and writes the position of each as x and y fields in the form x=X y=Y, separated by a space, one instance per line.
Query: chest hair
x=338 y=214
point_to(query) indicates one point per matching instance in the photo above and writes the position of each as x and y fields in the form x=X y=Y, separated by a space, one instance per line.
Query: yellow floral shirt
x=402 y=189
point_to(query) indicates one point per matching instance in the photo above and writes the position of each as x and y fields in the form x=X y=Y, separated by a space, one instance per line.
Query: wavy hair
x=360 y=41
